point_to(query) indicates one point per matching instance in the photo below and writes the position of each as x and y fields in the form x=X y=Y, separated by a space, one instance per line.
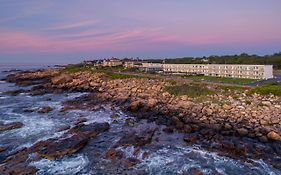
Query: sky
x=65 y=31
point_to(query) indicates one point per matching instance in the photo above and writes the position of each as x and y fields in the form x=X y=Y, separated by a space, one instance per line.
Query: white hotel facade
x=219 y=70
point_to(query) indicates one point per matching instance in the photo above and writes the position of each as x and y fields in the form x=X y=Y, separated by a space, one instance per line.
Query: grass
x=233 y=88
x=239 y=81
x=189 y=90
x=72 y=68
x=112 y=75
x=267 y=89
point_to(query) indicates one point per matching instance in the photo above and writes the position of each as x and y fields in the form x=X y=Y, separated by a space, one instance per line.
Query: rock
x=130 y=121
x=272 y=135
x=187 y=129
x=135 y=105
x=90 y=130
x=193 y=171
x=226 y=107
x=63 y=128
x=80 y=120
x=136 y=139
x=52 y=150
x=227 y=126
x=45 y=109
x=191 y=138
x=10 y=126
x=168 y=129
x=151 y=103
x=177 y=122
x=263 y=139
x=15 y=92
x=30 y=110
x=2 y=149
x=18 y=170
x=111 y=154
x=61 y=79
x=95 y=84
x=275 y=120
x=263 y=122
x=266 y=103
x=242 y=131
x=115 y=116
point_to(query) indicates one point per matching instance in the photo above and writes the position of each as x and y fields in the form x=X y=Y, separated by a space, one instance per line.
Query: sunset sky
x=61 y=31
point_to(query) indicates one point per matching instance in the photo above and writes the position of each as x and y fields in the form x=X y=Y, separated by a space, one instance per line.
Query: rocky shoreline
x=235 y=125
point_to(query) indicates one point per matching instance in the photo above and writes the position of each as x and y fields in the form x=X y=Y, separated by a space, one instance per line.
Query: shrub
x=266 y=89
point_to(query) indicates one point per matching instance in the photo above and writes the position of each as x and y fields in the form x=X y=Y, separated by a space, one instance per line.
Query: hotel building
x=219 y=70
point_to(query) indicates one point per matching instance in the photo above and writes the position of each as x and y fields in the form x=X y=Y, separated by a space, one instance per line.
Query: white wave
x=65 y=166
x=178 y=160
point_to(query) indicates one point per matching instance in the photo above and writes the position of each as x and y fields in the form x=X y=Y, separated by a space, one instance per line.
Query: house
x=132 y=64
x=112 y=62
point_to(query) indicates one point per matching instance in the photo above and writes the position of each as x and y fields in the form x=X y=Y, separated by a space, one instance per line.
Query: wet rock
x=130 y=121
x=54 y=149
x=227 y=126
x=168 y=130
x=18 y=170
x=115 y=116
x=2 y=149
x=15 y=92
x=191 y=138
x=80 y=120
x=193 y=171
x=134 y=106
x=263 y=139
x=274 y=136
x=69 y=143
x=25 y=83
x=242 y=131
x=177 y=122
x=90 y=130
x=10 y=126
x=45 y=109
x=136 y=139
x=63 y=128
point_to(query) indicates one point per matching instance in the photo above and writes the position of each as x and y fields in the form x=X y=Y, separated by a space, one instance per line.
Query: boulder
x=272 y=135
x=226 y=107
x=151 y=102
x=242 y=131
x=135 y=105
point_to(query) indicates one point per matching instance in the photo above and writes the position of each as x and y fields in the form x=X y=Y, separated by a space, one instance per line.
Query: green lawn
x=240 y=81
x=267 y=89
x=189 y=90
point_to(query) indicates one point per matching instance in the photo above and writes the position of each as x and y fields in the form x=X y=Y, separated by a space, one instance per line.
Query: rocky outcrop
x=71 y=142
x=246 y=116
x=10 y=126
x=61 y=79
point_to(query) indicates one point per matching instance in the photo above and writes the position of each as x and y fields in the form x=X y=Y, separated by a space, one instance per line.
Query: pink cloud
x=137 y=39
x=72 y=25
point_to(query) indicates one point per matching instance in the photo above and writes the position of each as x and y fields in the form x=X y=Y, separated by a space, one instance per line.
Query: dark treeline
x=274 y=60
